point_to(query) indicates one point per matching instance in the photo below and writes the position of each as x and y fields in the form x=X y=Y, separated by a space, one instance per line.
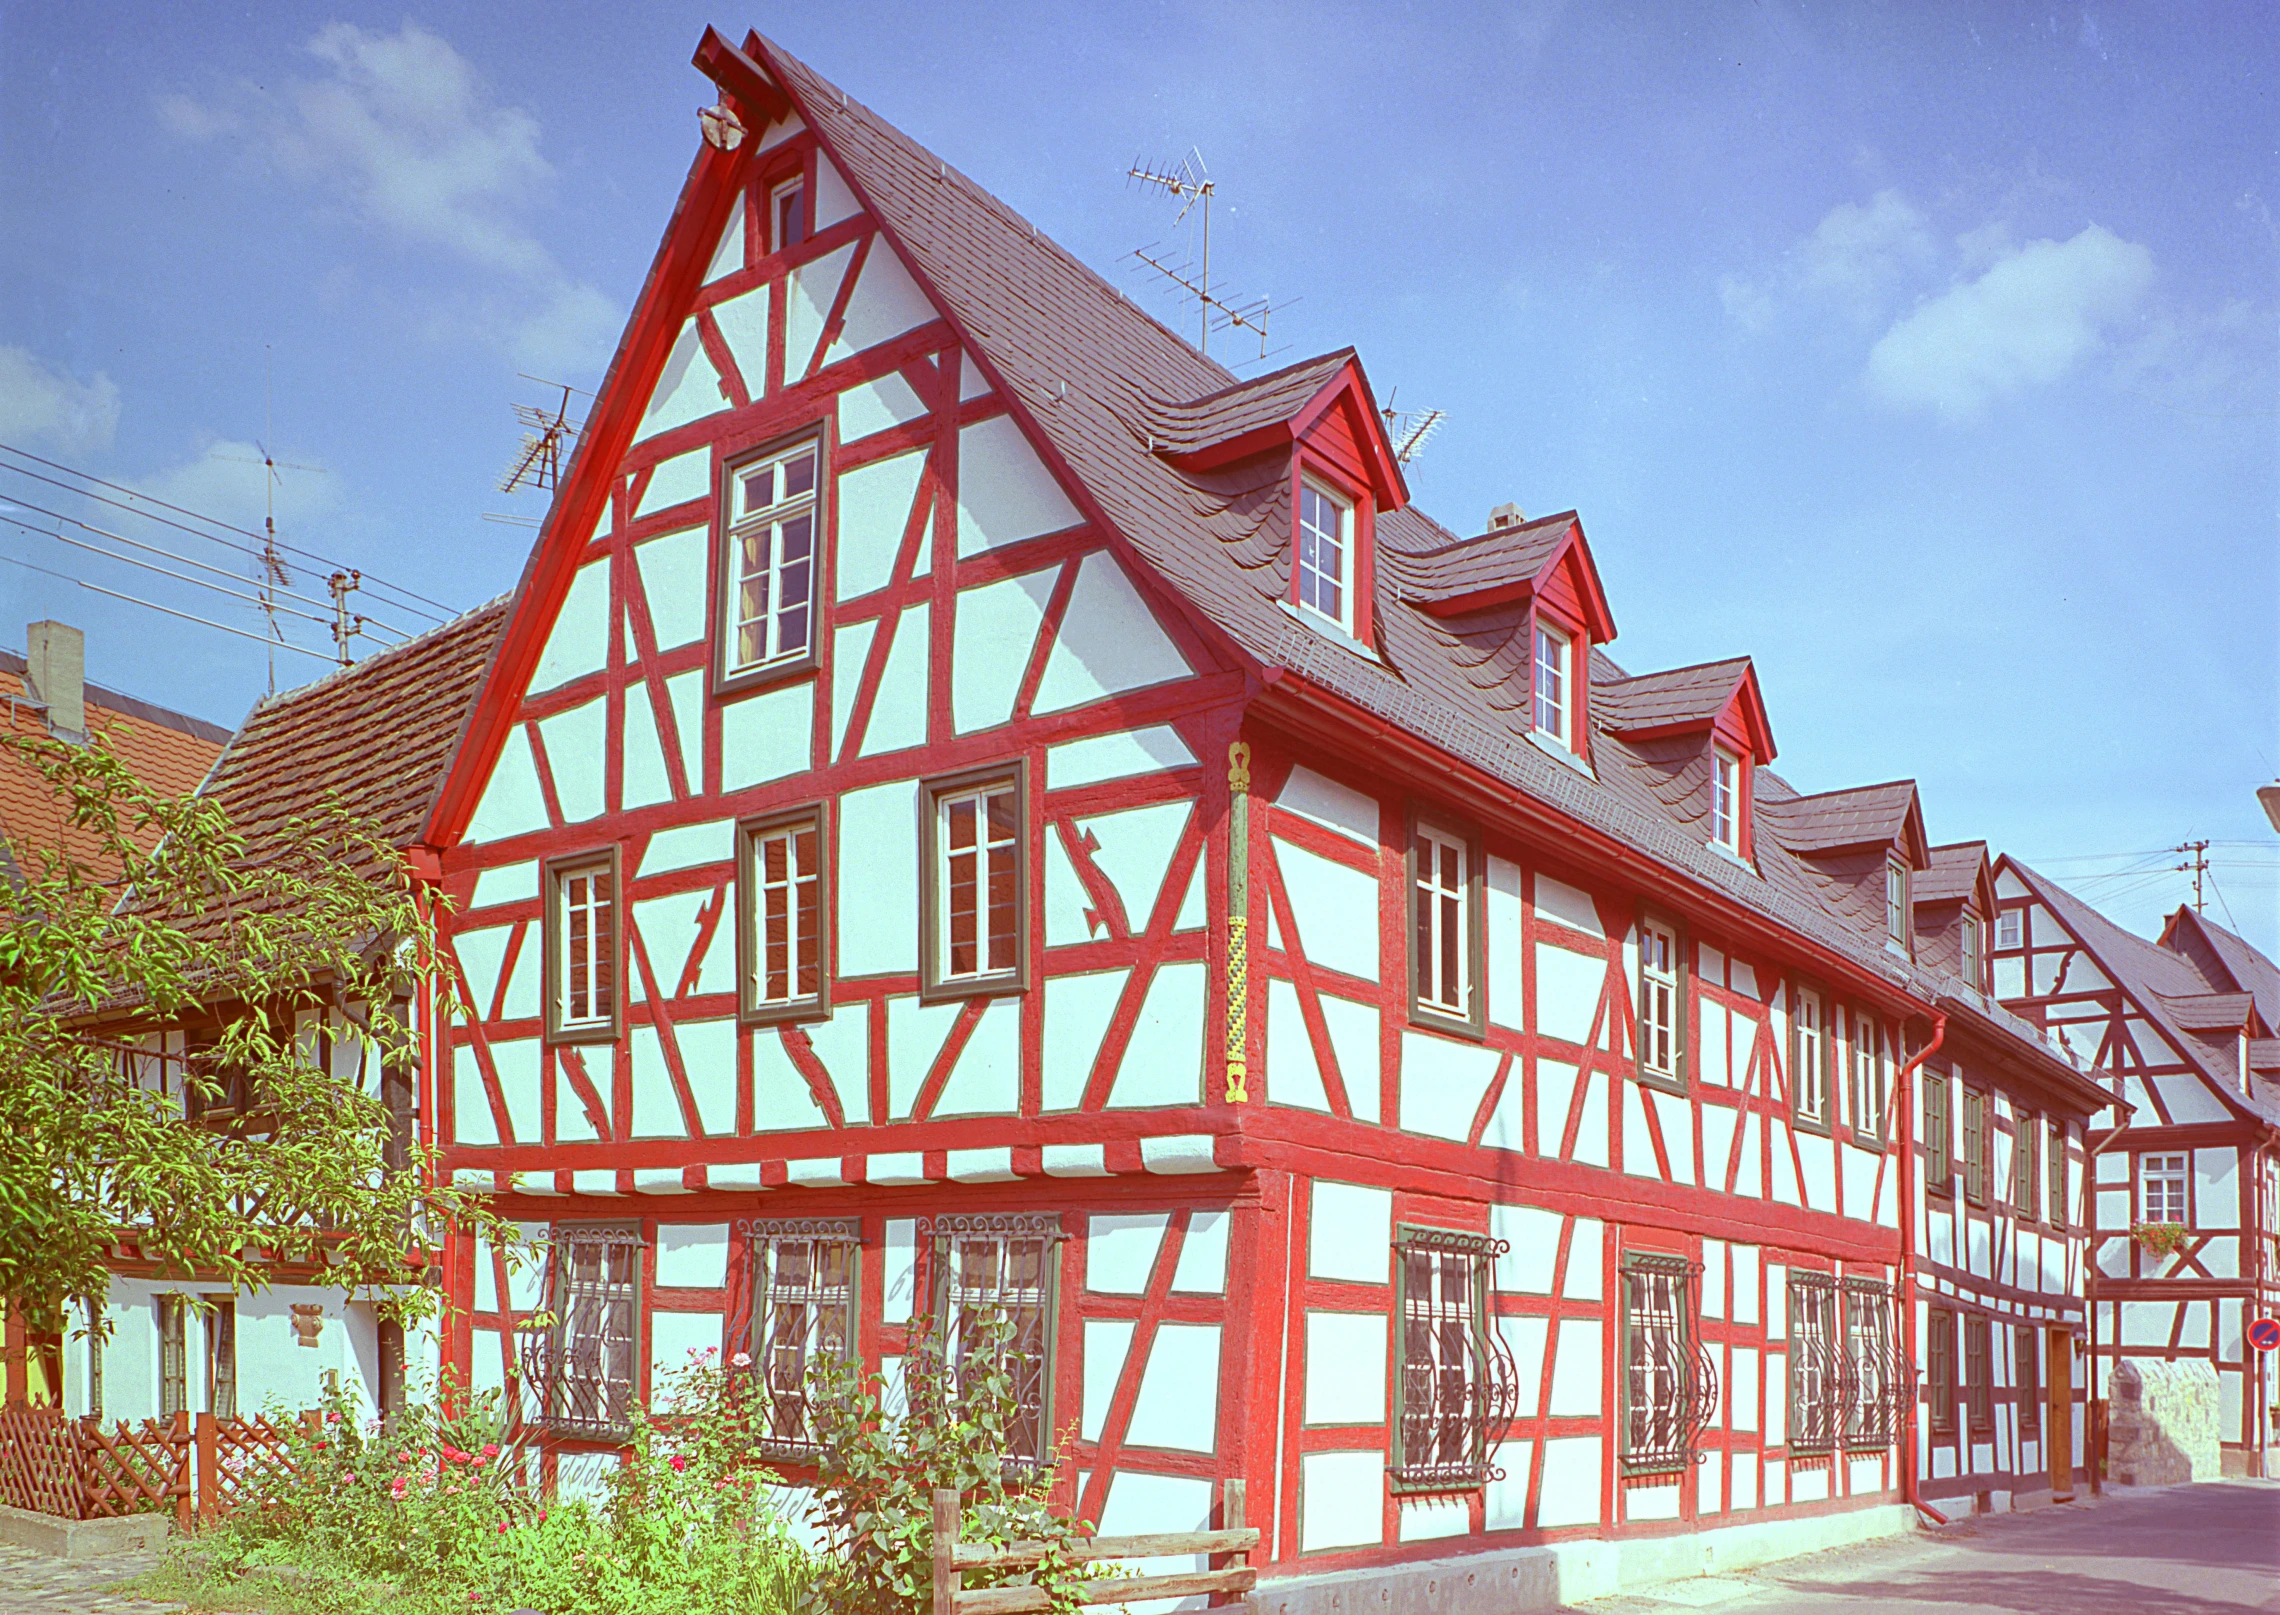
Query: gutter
x=1911 y=1481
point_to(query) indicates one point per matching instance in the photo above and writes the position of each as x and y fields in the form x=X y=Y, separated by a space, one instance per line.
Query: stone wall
x=2162 y=1422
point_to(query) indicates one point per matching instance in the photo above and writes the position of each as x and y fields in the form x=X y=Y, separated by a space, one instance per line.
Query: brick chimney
x=56 y=668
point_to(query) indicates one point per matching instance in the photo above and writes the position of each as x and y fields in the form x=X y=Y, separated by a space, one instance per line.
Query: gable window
x=1939 y=1135
x=1669 y=1387
x=2161 y=1188
x=578 y=1371
x=583 y=956
x=787 y=211
x=1555 y=706
x=1816 y=1377
x=1725 y=799
x=1897 y=927
x=803 y=1309
x=1444 y=940
x=2058 y=1174
x=783 y=943
x=2026 y=1162
x=1974 y=966
x=1869 y=1068
x=1979 y=1377
x=2007 y=929
x=1325 y=539
x=770 y=575
x=1939 y=1369
x=976 y=884
x=1456 y=1390
x=1808 y=1060
x=996 y=1278
x=1976 y=1150
x=1661 y=1003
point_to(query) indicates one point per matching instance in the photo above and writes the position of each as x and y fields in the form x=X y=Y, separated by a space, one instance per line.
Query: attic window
x=1325 y=538
x=1555 y=706
x=1725 y=799
x=2007 y=929
x=787 y=211
x=770 y=597
x=1896 y=925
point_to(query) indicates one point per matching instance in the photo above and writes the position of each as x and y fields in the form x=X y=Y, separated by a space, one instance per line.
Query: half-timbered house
x=2186 y=1189
x=976 y=808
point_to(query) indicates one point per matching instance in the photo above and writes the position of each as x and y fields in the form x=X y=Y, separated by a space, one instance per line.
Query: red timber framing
x=1206 y=1135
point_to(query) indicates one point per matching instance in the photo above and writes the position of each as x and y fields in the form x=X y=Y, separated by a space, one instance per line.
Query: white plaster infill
x=1511 y=1581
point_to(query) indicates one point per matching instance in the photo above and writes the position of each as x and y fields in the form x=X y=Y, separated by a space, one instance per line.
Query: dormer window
x=1726 y=799
x=1325 y=540
x=1896 y=914
x=1555 y=696
x=2007 y=929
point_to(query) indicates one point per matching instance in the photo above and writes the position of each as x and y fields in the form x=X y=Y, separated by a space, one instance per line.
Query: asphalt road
x=2180 y=1550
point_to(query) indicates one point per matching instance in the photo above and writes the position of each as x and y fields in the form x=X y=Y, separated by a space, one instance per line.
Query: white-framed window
x=1869 y=1075
x=2007 y=929
x=787 y=214
x=1441 y=870
x=2161 y=1188
x=1659 y=1003
x=1325 y=540
x=585 y=987
x=1974 y=961
x=784 y=914
x=1555 y=695
x=1809 y=1074
x=977 y=886
x=1725 y=799
x=1897 y=926
x=771 y=560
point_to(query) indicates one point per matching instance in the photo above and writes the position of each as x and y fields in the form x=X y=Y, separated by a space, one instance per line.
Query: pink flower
x=542 y=1516
x=679 y=1463
x=397 y=1488
x=403 y=1457
x=490 y=1449
x=476 y=1464
x=332 y=1416
x=502 y=1528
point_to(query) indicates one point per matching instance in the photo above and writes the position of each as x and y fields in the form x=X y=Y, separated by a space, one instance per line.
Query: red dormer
x=1717 y=705
x=1871 y=839
x=1343 y=475
x=1545 y=566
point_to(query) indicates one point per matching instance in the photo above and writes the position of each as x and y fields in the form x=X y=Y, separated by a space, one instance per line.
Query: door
x=2058 y=1423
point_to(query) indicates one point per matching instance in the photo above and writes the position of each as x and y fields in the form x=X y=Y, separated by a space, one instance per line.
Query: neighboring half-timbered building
x=975 y=807
x=2187 y=1192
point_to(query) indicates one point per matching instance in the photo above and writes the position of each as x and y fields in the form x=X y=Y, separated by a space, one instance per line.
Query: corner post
x=945 y=1550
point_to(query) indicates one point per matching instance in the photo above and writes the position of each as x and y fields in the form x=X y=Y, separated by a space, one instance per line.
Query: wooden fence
x=1228 y=1584
x=193 y=1467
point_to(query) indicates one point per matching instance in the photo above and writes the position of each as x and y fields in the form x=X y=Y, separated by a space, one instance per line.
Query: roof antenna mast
x=274 y=576
x=1191 y=185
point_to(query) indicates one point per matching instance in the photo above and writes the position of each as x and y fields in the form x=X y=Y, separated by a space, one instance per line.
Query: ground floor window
x=579 y=1366
x=221 y=1356
x=1455 y=1390
x=1873 y=1379
x=804 y=1300
x=993 y=1272
x=2027 y=1345
x=1939 y=1369
x=1669 y=1387
x=1816 y=1371
x=1979 y=1377
x=173 y=1356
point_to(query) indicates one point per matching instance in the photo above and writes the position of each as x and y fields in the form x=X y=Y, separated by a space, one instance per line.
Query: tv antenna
x=1409 y=430
x=1190 y=183
x=539 y=463
x=270 y=563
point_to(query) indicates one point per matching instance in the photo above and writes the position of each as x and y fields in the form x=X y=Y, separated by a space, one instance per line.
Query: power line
x=211 y=521
x=133 y=600
x=149 y=566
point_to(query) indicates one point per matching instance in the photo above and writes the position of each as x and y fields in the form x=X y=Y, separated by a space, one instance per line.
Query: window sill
x=1425 y=1018
x=766 y=676
x=1733 y=857
x=804 y=1011
x=1561 y=754
x=1819 y=1126
x=1667 y=1081
x=949 y=992
x=581 y=1036
x=1332 y=631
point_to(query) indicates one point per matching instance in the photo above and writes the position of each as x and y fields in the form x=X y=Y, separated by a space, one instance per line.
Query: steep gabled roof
x=1683 y=700
x=1863 y=816
x=1507 y=565
x=2227 y=960
x=1272 y=412
x=1958 y=872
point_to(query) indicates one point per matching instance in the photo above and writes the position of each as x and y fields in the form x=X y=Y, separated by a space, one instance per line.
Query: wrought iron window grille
x=1816 y=1364
x=1670 y=1383
x=1000 y=1265
x=1457 y=1390
x=1878 y=1379
x=1846 y=1375
x=799 y=1302
x=578 y=1348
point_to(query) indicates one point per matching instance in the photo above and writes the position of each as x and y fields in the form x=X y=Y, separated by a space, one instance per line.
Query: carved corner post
x=1238 y=922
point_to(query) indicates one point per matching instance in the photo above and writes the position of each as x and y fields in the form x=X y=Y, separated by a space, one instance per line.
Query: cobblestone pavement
x=34 y=1584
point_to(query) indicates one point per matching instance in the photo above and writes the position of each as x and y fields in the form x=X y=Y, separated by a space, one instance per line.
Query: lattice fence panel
x=133 y=1469
x=39 y=1461
x=253 y=1460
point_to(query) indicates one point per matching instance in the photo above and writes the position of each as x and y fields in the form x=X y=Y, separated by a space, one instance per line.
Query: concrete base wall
x=1507 y=1581
x=80 y=1539
x=2162 y=1427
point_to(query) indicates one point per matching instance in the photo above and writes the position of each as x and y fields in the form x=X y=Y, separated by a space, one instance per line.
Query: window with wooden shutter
x=1939 y=1369
x=2027 y=1353
x=1975 y=1142
x=2026 y=1162
x=1939 y=1134
x=2057 y=1173
x=221 y=1356
x=1456 y=1390
x=1979 y=1376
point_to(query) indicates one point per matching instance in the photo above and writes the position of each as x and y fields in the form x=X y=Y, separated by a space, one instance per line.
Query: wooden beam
x=738 y=75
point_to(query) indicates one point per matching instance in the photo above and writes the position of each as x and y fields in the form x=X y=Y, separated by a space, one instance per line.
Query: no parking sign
x=2264 y=1334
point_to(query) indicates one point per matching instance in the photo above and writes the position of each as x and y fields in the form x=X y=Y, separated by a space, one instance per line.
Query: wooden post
x=209 y=1472
x=179 y=1447
x=1231 y=1519
x=946 y=1577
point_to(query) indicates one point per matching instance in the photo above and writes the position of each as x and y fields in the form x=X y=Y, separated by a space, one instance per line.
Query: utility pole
x=2196 y=855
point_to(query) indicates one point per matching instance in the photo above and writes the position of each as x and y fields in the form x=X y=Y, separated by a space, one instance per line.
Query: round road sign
x=2264 y=1334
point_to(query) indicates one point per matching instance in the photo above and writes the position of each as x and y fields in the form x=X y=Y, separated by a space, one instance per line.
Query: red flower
x=679 y=1463
x=332 y=1416
x=502 y=1528
x=542 y=1516
x=490 y=1449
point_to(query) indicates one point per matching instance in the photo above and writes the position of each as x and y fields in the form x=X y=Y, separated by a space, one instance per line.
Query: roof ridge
x=1690 y=667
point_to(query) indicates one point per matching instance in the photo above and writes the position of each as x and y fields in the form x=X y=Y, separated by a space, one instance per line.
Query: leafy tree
x=152 y=909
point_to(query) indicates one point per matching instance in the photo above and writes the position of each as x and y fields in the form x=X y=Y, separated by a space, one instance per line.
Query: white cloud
x=2026 y=322
x=223 y=480
x=39 y=404
x=1859 y=251
x=402 y=129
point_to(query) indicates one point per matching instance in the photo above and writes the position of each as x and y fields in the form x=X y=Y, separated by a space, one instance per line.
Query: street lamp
x=2269 y=795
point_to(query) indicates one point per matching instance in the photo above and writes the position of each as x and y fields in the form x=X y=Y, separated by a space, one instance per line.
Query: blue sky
x=1925 y=353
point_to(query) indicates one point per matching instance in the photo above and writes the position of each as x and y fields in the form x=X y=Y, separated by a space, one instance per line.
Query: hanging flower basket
x=2161 y=1238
